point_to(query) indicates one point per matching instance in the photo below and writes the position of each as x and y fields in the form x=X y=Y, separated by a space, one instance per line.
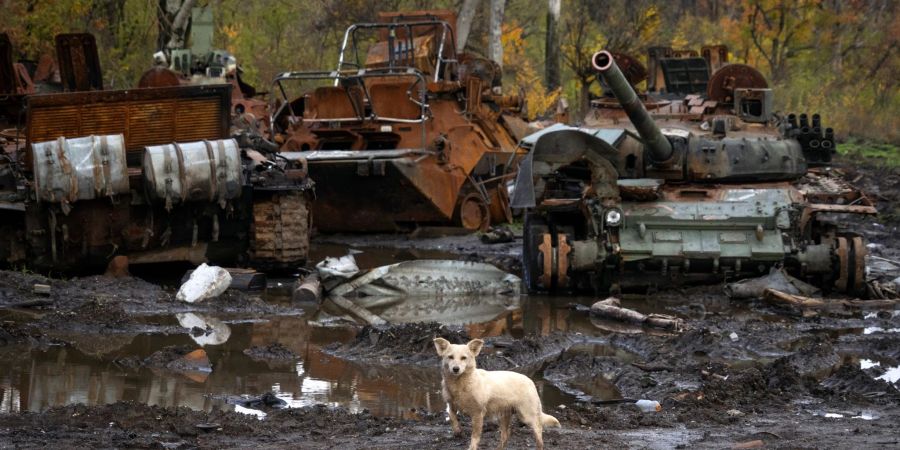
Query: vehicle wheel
x=532 y=259
x=473 y=213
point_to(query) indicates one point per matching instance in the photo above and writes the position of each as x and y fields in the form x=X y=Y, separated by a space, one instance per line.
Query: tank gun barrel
x=660 y=148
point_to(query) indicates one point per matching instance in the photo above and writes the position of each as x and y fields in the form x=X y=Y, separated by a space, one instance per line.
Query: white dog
x=481 y=393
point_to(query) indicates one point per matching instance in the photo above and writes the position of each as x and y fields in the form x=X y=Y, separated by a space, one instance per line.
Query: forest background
x=840 y=58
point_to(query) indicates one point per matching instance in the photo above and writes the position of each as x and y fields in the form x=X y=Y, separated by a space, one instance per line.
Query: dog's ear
x=475 y=346
x=441 y=345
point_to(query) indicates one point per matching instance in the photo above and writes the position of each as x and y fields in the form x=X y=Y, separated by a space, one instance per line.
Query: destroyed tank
x=672 y=200
x=406 y=131
x=155 y=174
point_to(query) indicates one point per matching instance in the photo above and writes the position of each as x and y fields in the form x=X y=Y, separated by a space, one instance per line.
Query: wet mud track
x=741 y=373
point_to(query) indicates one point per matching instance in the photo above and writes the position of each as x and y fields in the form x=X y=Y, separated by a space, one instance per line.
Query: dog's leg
x=538 y=430
x=454 y=422
x=477 y=423
x=451 y=409
x=505 y=425
x=533 y=420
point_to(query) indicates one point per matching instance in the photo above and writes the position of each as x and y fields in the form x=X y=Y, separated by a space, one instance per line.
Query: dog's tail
x=549 y=421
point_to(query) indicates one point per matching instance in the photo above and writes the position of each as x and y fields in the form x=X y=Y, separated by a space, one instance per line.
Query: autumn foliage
x=840 y=58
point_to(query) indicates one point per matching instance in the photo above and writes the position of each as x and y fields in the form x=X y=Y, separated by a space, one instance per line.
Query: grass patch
x=889 y=153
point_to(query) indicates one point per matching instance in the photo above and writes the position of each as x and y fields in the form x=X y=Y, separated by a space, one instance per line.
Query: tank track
x=281 y=226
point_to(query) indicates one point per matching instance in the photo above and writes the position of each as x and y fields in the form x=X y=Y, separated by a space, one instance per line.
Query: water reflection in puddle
x=68 y=375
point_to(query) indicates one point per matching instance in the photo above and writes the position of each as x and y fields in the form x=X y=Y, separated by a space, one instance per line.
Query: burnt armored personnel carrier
x=406 y=131
x=670 y=200
x=156 y=174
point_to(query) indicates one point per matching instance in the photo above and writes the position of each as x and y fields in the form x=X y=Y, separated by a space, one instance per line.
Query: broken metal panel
x=79 y=63
x=67 y=170
x=430 y=278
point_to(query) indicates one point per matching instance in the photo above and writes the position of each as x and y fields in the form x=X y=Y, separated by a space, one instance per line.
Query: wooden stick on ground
x=357 y=311
x=610 y=309
x=780 y=298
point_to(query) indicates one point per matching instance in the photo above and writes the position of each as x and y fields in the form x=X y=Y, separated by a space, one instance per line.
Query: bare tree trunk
x=495 y=47
x=551 y=51
x=464 y=23
x=174 y=23
x=584 y=97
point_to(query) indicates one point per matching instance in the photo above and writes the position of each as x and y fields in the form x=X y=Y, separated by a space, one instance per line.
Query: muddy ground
x=741 y=374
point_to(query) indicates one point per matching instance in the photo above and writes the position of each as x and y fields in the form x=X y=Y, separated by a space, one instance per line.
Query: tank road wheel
x=532 y=258
x=473 y=212
x=280 y=234
x=851 y=254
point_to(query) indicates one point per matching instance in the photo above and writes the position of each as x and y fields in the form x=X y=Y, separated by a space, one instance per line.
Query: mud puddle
x=66 y=375
x=97 y=369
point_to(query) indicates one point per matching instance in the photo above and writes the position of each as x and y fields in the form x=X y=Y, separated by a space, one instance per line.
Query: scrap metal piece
x=79 y=63
x=730 y=77
x=430 y=278
x=777 y=278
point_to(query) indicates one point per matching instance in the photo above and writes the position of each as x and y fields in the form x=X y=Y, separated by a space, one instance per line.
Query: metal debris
x=432 y=278
x=777 y=278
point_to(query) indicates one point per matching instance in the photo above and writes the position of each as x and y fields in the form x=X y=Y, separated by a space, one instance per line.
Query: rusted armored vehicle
x=156 y=174
x=406 y=131
x=669 y=200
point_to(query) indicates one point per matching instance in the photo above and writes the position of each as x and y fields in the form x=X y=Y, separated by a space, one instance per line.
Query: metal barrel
x=792 y=120
x=660 y=147
x=804 y=120
x=816 y=120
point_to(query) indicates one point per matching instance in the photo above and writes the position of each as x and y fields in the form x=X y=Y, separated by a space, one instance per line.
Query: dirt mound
x=617 y=417
x=852 y=384
x=91 y=313
x=136 y=425
x=272 y=352
x=606 y=378
x=522 y=355
x=14 y=335
x=885 y=347
x=179 y=358
x=754 y=389
x=410 y=343
x=816 y=359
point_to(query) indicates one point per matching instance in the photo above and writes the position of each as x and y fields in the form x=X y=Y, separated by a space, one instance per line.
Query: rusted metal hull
x=412 y=132
x=94 y=230
x=194 y=204
x=384 y=195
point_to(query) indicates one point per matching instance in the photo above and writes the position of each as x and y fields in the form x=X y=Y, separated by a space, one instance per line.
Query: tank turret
x=659 y=147
x=716 y=157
